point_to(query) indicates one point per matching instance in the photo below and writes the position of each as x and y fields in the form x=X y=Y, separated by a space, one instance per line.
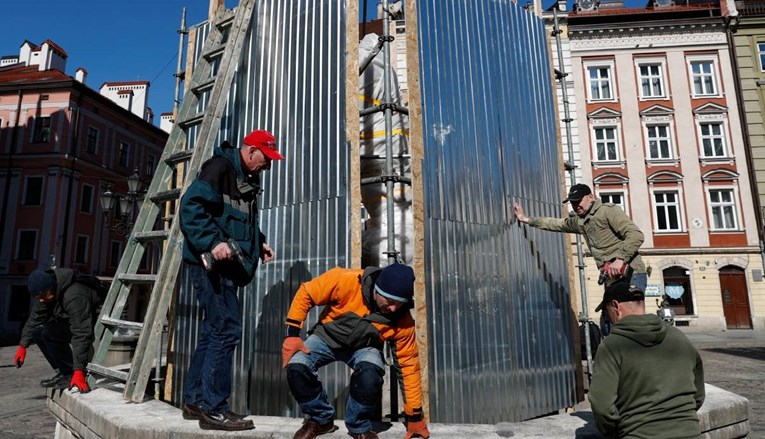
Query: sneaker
x=59 y=381
x=311 y=429
x=219 y=421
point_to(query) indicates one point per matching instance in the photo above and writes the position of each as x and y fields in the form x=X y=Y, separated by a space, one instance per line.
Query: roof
x=125 y=83
x=27 y=74
x=56 y=47
x=615 y=15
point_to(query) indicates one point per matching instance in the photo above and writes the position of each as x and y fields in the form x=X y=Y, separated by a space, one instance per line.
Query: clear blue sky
x=114 y=40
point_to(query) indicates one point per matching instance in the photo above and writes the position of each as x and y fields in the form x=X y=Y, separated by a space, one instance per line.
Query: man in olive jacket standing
x=64 y=312
x=648 y=380
x=223 y=242
x=613 y=239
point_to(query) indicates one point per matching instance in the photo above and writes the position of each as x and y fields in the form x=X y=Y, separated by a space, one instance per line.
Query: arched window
x=677 y=288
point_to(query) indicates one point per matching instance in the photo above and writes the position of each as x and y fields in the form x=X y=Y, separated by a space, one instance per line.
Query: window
x=18 y=309
x=723 y=208
x=92 y=141
x=606 y=145
x=42 y=130
x=33 y=191
x=600 y=83
x=712 y=139
x=651 y=82
x=703 y=78
x=150 y=164
x=123 y=159
x=26 y=246
x=667 y=206
x=659 y=142
x=86 y=199
x=616 y=198
x=81 y=250
x=761 y=53
x=115 y=254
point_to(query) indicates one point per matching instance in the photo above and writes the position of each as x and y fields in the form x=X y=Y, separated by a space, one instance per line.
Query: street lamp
x=125 y=204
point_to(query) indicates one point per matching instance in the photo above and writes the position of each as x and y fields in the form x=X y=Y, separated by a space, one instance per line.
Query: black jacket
x=74 y=302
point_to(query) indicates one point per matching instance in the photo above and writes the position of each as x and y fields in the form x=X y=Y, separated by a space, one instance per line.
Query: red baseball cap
x=264 y=141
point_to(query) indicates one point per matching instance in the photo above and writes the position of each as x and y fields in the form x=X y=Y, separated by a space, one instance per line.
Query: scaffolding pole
x=560 y=75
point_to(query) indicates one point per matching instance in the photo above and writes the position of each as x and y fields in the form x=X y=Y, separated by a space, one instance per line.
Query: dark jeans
x=53 y=338
x=208 y=380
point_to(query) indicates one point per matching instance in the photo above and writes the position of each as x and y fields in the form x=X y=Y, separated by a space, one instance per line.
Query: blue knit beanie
x=396 y=282
x=40 y=280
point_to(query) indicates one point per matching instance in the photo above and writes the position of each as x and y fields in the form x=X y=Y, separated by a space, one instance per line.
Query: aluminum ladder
x=208 y=91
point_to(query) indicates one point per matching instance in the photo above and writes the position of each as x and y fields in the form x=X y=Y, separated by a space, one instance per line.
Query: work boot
x=219 y=421
x=59 y=381
x=365 y=435
x=311 y=429
x=193 y=412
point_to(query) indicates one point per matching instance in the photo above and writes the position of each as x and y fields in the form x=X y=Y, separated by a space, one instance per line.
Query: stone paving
x=733 y=360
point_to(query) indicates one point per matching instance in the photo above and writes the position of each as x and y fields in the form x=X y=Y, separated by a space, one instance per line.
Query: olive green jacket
x=608 y=231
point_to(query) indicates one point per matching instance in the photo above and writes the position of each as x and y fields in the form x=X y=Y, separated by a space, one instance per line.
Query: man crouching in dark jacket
x=64 y=312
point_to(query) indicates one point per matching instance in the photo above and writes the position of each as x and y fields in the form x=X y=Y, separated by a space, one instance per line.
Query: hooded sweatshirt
x=648 y=381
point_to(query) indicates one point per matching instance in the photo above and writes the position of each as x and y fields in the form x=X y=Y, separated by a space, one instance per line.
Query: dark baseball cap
x=621 y=291
x=577 y=192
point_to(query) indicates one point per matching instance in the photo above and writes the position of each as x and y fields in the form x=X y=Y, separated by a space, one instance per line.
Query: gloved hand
x=21 y=355
x=78 y=380
x=290 y=346
x=419 y=428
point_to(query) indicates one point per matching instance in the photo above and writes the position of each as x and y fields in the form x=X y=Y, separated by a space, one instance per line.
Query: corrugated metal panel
x=500 y=321
x=291 y=82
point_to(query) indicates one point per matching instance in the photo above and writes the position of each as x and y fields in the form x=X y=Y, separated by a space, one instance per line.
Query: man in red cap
x=223 y=242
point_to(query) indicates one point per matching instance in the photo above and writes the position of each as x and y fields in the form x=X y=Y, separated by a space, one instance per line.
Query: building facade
x=660 y=134
x=63 y=146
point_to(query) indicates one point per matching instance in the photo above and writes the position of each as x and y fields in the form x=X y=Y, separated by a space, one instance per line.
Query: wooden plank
x=416 y=145
x=352 y=128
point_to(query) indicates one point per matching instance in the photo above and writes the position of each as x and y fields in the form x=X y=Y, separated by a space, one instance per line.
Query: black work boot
x=59 y=381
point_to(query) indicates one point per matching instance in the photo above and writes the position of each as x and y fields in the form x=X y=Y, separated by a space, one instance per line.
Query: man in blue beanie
x=362 y=309
x=64 y=312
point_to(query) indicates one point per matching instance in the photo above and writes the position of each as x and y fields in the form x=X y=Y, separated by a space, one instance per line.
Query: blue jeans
x=208 y=380
x=357 y=414
x=638 y=280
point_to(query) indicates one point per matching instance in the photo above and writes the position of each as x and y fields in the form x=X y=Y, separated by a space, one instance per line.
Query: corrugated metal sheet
x=500 y=321
x=291 y=82
x=499 y=318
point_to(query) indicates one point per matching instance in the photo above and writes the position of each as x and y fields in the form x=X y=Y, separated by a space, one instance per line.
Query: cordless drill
x=626 y=272
x=208 y=261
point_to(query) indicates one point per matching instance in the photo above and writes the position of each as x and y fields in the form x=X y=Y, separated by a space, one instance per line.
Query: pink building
x=63 y=145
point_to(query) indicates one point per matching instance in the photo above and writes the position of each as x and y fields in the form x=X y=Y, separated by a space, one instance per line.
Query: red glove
x=290 y=346
x=78 y=380
x=21 y=355
x=419 y=428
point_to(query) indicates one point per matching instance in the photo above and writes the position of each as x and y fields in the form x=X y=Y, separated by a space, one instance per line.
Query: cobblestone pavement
x=733 y=360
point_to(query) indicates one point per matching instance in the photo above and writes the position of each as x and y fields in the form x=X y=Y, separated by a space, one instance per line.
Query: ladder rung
x=215 y=52
x=178 y=157
x=125 y=324
x=138 y=278
x=191 y=121
x=207 y=85
x=108 y=372
x=161 y=197
x=226 y=19
x=153 y=235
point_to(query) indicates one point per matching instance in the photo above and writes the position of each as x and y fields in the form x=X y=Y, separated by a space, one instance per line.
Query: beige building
x=659 y=133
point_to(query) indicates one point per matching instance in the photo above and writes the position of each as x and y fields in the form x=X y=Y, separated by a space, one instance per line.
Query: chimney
x=81 y=75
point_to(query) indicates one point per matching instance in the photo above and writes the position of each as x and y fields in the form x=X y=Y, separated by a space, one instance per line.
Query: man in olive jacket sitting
x=648 y=379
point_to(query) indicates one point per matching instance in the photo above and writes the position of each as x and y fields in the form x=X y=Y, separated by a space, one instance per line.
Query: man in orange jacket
x=363 y=309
